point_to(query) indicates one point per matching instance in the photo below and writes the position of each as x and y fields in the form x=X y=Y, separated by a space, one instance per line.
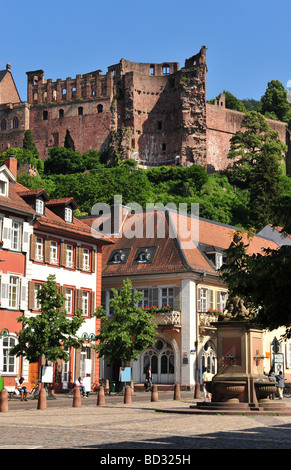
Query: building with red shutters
x=41 y=237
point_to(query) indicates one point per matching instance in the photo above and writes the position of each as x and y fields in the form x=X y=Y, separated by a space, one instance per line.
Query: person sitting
x=79 y=384
x=21 y=388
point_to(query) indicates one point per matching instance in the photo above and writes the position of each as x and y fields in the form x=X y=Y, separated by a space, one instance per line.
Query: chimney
x=11 y=164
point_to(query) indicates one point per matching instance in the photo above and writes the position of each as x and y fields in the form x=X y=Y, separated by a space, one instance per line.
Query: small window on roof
x=39 y=206
x=68 y=214
x=3 y=188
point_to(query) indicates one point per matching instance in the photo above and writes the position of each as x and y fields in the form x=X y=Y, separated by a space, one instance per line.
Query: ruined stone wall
x=14 y=121
x=222 y=124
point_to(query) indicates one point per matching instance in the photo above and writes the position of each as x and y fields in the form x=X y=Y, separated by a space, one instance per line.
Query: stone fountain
x=240 y=384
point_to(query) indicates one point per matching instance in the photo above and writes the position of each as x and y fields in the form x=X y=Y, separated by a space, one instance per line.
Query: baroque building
x=154 y=113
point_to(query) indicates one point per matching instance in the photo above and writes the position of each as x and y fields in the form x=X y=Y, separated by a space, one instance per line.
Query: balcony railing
x=205 y=319
x=168 y=318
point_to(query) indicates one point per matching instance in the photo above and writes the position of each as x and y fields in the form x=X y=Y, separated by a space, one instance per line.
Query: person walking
x=206 y=381
x=281 y=384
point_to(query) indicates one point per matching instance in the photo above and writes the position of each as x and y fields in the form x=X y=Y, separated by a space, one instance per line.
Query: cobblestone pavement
x=137 y=425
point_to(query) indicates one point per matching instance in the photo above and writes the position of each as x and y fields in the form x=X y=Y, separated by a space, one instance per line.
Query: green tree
x=257 y=154
x=128 y=330
x=46 y=334
x=29 y=145
x=274 y=102
x=261 y=281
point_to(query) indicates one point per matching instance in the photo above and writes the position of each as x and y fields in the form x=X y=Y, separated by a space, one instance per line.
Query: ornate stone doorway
x=161 y=358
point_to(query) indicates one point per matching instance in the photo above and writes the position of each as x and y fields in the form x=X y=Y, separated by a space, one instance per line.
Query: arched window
x=15 y=122
x=166 y=69
x=100 y=108
x=3 y=125
x=9 y=362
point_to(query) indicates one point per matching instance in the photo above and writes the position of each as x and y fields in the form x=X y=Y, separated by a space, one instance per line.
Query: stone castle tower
x=154 y=113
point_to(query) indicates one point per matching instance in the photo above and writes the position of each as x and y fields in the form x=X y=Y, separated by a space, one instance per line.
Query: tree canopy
x=47 y=333
x=128 y=330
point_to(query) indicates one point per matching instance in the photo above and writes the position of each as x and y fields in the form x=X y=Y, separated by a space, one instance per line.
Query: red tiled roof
x=172 y=254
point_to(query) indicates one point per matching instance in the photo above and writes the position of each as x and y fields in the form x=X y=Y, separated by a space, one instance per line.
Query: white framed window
x=3 y=188
x=145 y=298
x=69 y=300
x=221 y=298
x=66 y=368
x=85 y=302
x=218 y=260
x=39 y=206
x=86 y=259
x=37 y=304
x=168 y=296
x=39 y=249
x=13 y=292
x=68 y=214
x=54 y=253
x=204 y=299
x=9 y=362
x=15 y=236
x=70 y=256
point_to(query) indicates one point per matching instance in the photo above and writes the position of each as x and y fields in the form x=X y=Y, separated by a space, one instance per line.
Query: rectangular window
x=86 y=259
x=68 y=214
x=39 y=249
x=15 y=236
x=65 y=368
x=37 y=304
x=145 y=298
x=85 y=302
x=168 y=296
x=221 y=298
x=39 y=206
x=54 y=253
x=69 y=300
x=13 y=292
x=70 y=256
x=205 y=299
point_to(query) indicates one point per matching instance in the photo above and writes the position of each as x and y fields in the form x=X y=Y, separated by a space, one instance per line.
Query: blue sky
x=248 y=42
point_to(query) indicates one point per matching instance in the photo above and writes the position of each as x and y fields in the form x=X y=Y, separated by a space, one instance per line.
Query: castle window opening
x=74 y=92
x=100 y=108
x=159 y=125
x=45 y=115
x=164 y=146
x=80 y=111
x=54 y=95
x=35 y=97
x=152 y=70
x=61 y=113
x=166 y=70
x=15 y=122
x=3 y=125
x=64 y=93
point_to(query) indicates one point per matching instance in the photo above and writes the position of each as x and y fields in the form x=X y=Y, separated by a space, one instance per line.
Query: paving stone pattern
x=136 y=426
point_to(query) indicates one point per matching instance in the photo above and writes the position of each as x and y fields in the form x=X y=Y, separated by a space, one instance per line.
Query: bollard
x=106 y=387
x=127 y=395
x=197 y=393
x=77 y=398
x=101 y=396
x=154 y=394
x=3 y=400
x=132 y=386
x=41 y=403
x=177 y=393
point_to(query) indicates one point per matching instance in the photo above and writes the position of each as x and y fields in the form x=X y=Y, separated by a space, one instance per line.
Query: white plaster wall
x=188 y=313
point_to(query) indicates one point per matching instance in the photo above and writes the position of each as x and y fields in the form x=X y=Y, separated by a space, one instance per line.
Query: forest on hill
x=252 y=192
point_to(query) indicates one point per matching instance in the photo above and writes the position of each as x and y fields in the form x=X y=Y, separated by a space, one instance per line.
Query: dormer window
x=3 y=188
x=68 y=214
x=39 y=206
x=142 y=257
x=117 y=258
